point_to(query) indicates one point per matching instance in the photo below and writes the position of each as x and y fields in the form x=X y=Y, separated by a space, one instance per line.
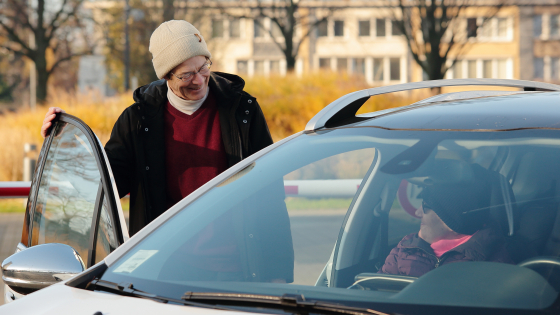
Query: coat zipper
x=438 y=260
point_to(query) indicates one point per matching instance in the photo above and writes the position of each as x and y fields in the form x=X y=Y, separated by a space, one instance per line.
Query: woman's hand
x=47 y=123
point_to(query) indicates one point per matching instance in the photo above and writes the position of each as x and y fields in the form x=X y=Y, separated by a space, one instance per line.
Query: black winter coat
x=136 y=149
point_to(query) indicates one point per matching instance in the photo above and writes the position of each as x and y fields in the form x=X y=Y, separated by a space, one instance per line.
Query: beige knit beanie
x=172 y=43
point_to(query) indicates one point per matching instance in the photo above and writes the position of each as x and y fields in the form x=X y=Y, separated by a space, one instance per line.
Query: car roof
x=504 y=112
x=343 y=110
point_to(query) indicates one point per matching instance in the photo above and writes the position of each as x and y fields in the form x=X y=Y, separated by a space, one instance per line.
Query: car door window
x=106 y=241
x=68 y=190
x=318 y=195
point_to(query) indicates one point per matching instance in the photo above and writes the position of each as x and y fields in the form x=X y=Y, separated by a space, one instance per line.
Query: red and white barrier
x=320 y=188
x=14 y=189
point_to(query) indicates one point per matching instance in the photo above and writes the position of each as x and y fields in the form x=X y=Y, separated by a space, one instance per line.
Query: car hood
x=61 y=299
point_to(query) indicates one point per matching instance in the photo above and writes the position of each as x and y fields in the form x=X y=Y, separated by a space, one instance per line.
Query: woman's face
x=432 y=228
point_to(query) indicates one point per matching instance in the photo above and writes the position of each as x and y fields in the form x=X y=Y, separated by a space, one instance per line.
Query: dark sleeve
x=120 y=153
x=259 y=134
x=391 y=266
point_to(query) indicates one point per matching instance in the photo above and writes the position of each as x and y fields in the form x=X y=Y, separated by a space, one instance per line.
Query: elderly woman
x=455 y=227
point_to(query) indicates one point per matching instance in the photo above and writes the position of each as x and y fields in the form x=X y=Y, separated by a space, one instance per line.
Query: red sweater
x=194 y=154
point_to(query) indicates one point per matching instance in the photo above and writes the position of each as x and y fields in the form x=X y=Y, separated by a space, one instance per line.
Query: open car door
x=73 y=198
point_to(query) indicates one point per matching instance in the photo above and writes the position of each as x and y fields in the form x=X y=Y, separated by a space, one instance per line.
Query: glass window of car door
x=105 y=240
x=67 y=192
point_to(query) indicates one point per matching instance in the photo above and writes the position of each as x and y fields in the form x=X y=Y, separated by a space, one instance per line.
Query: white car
x=334 y=219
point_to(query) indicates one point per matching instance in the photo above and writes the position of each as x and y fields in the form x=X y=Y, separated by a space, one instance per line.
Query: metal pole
x=126 y=47
x=28 y=161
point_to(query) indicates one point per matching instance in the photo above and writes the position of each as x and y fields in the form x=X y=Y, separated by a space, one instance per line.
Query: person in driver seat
x=455 y=227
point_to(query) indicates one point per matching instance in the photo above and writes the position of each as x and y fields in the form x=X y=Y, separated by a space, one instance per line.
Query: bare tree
x=286 y=17
x=53 y=26
x=436 y=33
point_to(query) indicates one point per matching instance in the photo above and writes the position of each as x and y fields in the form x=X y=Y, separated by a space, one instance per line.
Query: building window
x=217 y=28
x=395 y=69
x=458 y=69
x=234 y=28
x=502 y=27
x=342 y=64
x=363 y=28
x=275 y=29
x=471 y=27
x=359 y=66
x=325 y=63
x=380 y=28
x=338 y=28
x=537 y=25
x=259 y=67
x=258 y=28
x=485 y=28
x=242 y=67
x=538 y=68
x=502 y=69
x=554 y=25
x=487 y=69
x=395 y=30
x=377 y=69
x=323 y=29
x=554 y=71
x=471 y=69
x=275 y=66
x=494 y=28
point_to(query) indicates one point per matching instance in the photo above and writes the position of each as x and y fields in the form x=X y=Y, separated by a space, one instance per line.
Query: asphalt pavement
x=314 y=234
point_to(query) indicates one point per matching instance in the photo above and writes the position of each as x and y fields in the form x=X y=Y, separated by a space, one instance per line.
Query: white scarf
x=185 y=106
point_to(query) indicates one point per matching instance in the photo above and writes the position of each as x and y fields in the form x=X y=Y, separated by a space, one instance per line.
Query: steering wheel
x=380 y=281
x=546 y=266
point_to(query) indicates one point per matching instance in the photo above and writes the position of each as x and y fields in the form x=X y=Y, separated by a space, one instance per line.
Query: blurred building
x=92 y=76
x=540 y=42
x=521 y=41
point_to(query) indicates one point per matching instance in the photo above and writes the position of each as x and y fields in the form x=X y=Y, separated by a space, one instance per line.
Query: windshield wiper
x=291 y=301
x=128 y=289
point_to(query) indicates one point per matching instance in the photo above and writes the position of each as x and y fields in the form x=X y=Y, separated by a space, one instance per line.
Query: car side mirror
x=40 y=266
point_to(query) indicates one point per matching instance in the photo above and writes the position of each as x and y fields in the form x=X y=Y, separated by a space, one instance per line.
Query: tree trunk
x=290 y=63
x=42 y=73
x=168 y=10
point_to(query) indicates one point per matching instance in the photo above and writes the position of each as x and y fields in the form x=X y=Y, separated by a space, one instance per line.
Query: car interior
x=524 y=205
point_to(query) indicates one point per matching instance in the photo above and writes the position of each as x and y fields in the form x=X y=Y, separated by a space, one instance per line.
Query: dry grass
x=24 y=126
x=290 y=102
x=287 y=102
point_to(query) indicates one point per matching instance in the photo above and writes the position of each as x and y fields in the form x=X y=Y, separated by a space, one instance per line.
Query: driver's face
x=432 y=228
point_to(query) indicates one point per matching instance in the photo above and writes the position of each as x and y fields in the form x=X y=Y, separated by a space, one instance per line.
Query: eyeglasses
x=204 y=70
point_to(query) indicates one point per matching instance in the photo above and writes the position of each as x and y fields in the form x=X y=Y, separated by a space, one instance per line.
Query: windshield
x=366 y=215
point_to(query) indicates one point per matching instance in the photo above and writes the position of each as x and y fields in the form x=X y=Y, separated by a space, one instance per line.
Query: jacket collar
x=481 y=245
x=224 y=86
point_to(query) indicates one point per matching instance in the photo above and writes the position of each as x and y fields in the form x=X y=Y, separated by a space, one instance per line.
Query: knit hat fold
x=172 y=43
